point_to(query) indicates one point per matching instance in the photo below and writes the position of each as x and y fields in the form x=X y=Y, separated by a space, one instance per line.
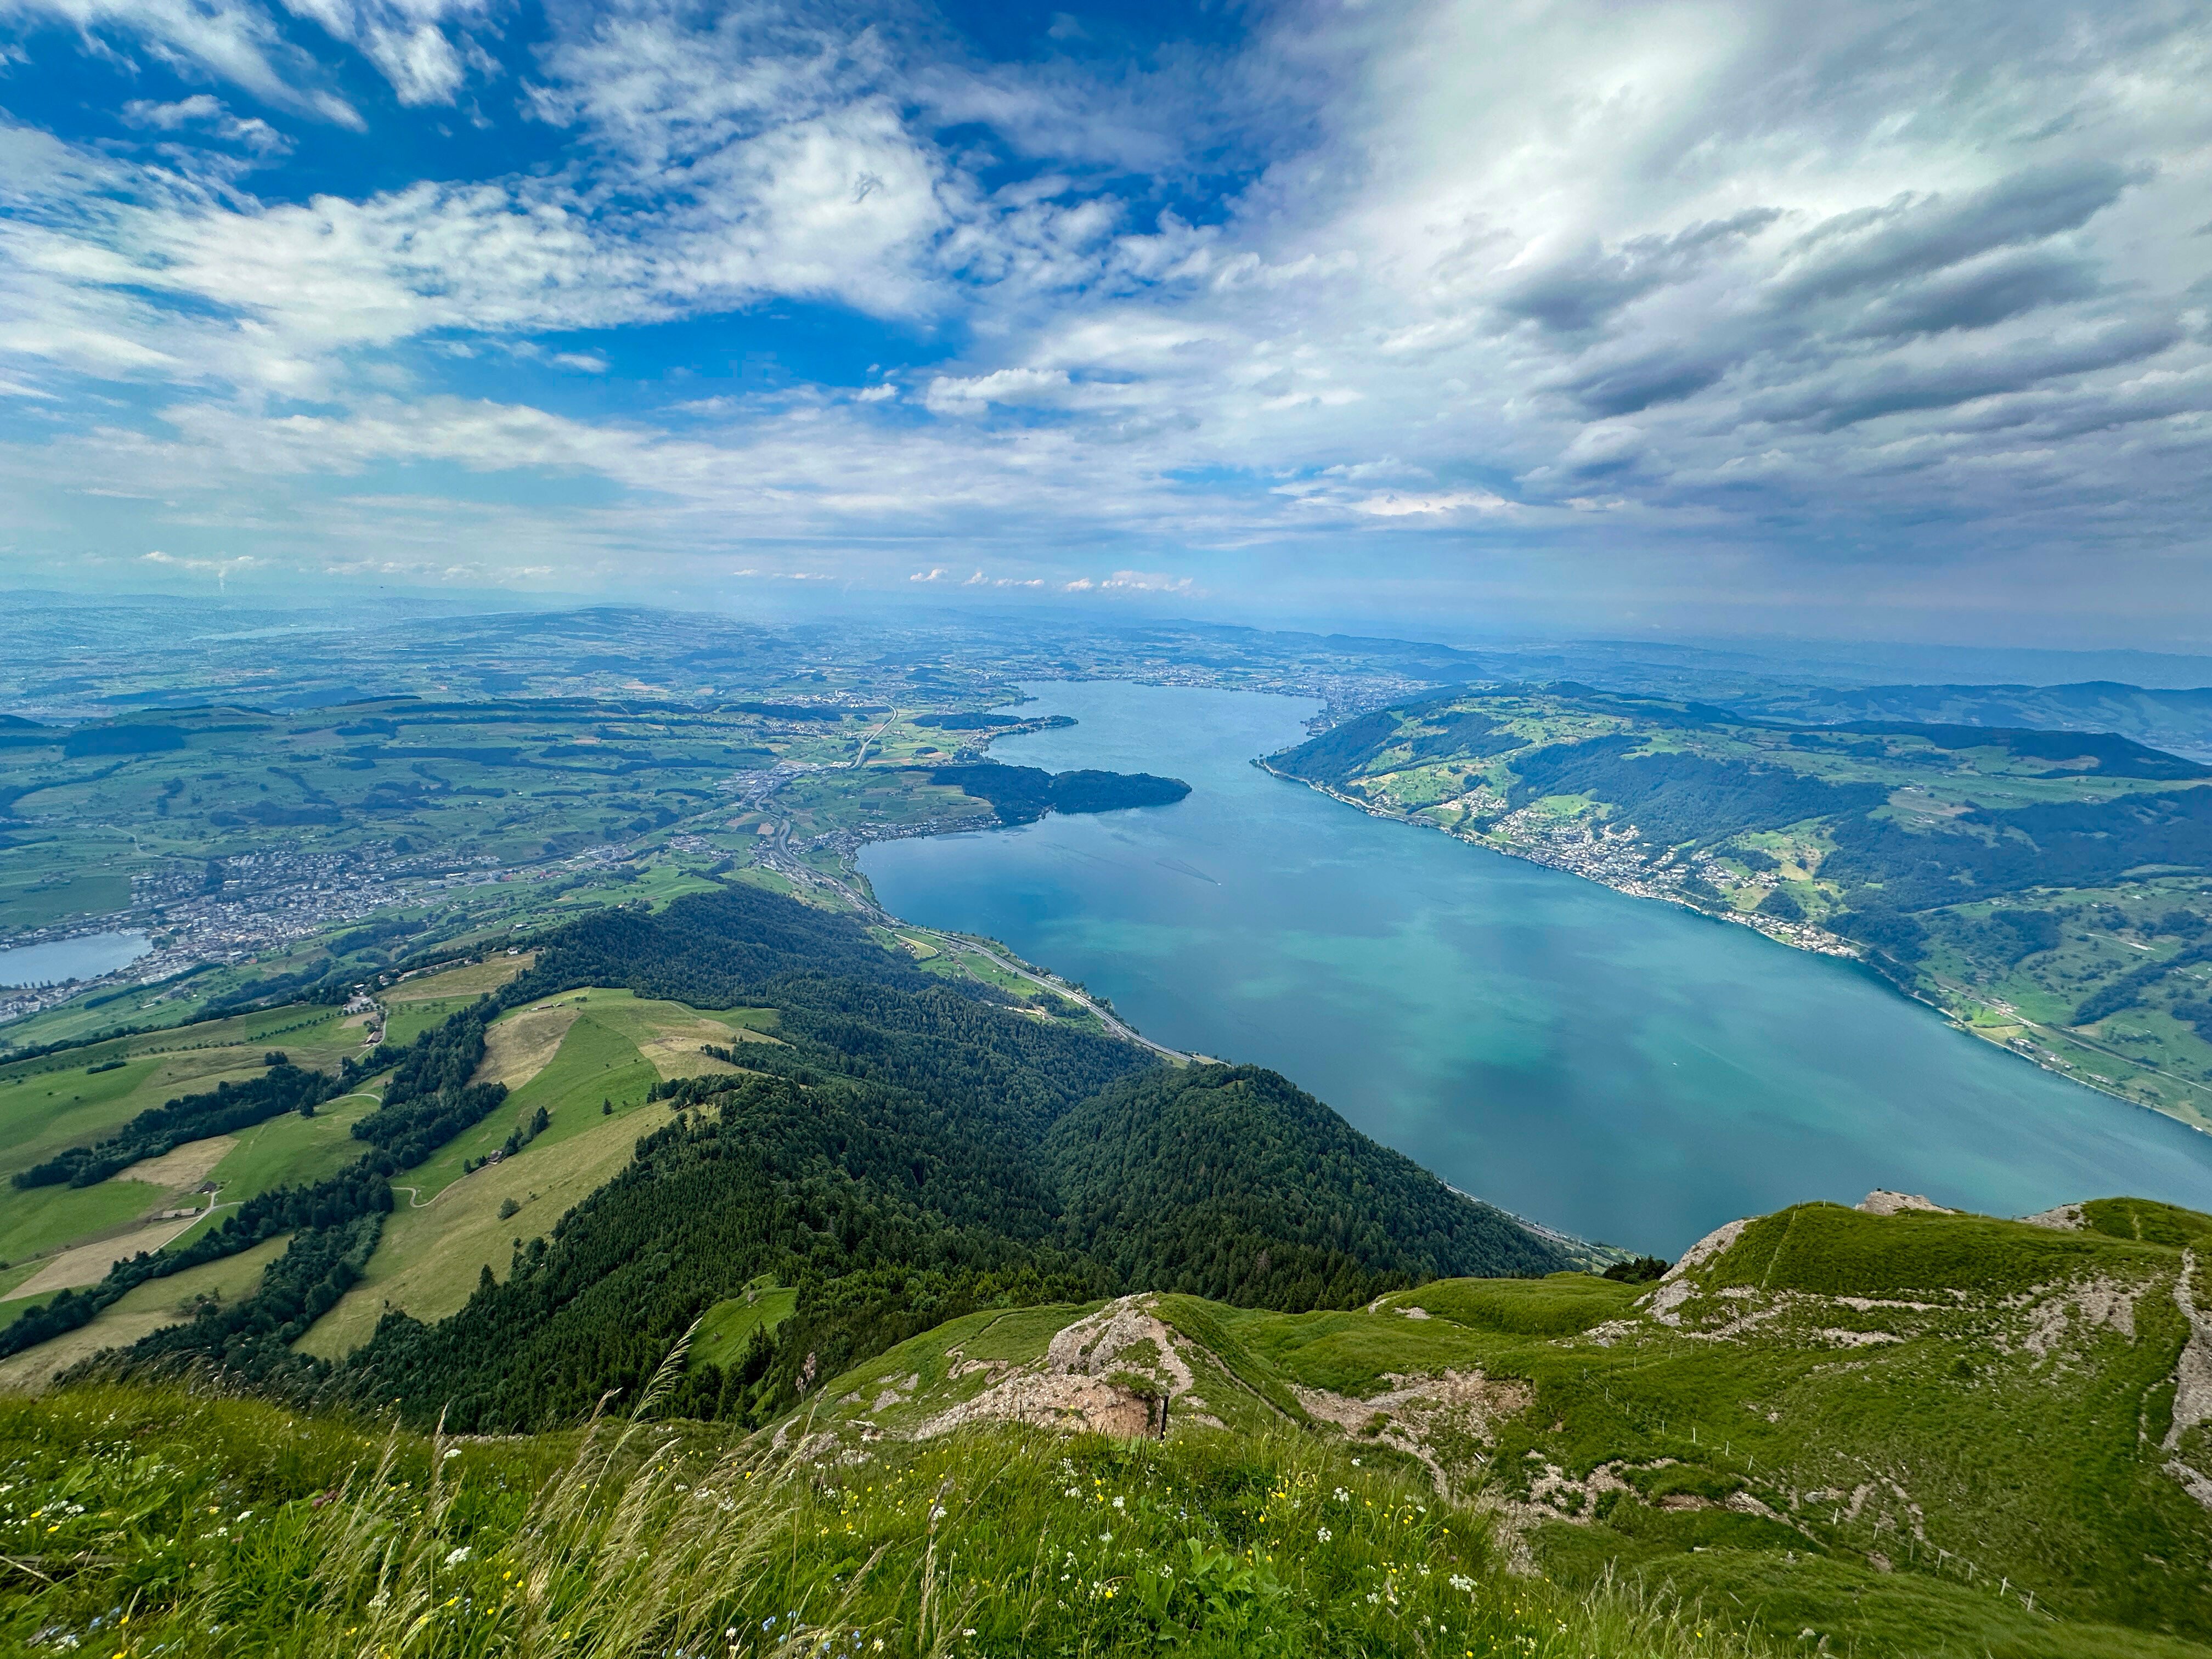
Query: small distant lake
x=1621 y=1067
x=88 y=957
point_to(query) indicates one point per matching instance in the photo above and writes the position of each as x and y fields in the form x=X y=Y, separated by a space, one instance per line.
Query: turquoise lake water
x=1617 y=1066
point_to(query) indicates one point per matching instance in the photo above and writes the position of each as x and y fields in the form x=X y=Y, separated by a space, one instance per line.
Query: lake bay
x=1619 y=1067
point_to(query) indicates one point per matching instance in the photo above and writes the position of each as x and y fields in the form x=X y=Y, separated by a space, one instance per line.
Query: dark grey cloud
x=1983 y=295
x=1890 y=387
x=1610 y=390
x=1914 y=236
x=1576 y=294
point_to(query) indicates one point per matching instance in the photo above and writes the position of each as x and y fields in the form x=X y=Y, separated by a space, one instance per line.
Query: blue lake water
x=1617 y=1066
x=57 y=960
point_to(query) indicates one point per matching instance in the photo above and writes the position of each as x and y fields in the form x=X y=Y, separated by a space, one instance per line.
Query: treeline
x=401 y=1139
x=358 y=1190
x=1231 y=1183
x=224 y=1109
x=430 y=1099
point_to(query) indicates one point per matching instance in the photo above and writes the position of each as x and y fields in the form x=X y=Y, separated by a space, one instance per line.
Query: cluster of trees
x=359 y=1190
x=425 y=1105
x=224 y=1109
x=1990 y=853
x=1343 y=752
x=1023 y=794
x=430 y=1099
x=1676 y=797
x=2129 y=989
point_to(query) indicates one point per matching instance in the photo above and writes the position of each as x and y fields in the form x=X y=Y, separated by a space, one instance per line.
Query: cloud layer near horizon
x=1696 y=315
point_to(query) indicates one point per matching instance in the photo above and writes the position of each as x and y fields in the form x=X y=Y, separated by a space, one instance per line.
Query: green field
x=596 y=1065
x=450 y=1228
x=727 y=1327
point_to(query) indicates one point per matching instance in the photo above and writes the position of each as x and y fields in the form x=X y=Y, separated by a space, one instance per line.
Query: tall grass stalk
x=229 y=1527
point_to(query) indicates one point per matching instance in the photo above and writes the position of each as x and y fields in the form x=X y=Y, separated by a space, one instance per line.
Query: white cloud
x=232 y=39
x=1726 y=275
x=204 y=111
x=403 y=39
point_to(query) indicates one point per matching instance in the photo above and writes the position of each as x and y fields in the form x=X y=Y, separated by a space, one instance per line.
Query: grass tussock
x=135 y=1523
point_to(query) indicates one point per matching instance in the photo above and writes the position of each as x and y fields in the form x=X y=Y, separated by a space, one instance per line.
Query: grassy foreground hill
x=1827 y=1431
x=2050 y=890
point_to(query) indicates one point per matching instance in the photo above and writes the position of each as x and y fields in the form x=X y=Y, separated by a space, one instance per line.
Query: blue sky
x=1890 y=321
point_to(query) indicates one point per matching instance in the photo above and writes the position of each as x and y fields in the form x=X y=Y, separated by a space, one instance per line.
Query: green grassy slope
x=1921 y=1434
x=59 y=1101
x=1832 y=1432
x=239 y=1530
x=450 y=1228
x=726 y=1329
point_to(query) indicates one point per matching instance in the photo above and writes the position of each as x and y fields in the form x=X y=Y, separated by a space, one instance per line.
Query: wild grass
x=138 y=1522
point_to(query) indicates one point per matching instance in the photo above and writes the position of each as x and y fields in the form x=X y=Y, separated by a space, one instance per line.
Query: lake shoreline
x=1795 y=936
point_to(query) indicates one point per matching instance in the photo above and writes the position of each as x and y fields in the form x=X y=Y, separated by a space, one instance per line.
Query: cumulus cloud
x=1612 y=282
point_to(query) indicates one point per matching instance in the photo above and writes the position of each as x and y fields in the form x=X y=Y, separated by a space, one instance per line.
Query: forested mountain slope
x=2053 y=890
x=1230 y=1182
x=892 y=1155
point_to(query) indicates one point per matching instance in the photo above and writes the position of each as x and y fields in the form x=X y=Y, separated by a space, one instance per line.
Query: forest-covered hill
x=904 y=1151
x=2053 y=890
